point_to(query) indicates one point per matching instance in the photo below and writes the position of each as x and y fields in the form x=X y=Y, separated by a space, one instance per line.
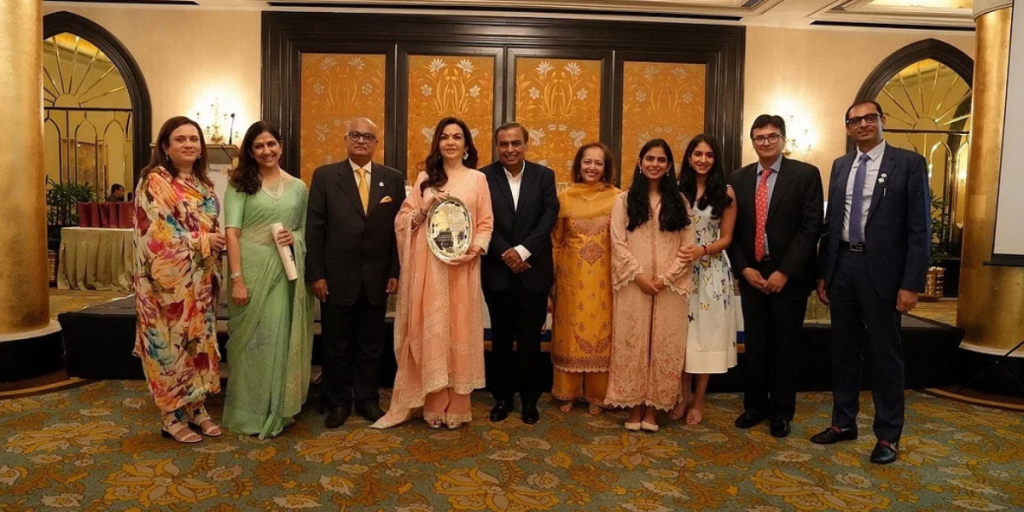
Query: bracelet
x=235 y=275
x=705 y=247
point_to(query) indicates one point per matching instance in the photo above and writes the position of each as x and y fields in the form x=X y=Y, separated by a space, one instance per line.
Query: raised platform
x=99 y=342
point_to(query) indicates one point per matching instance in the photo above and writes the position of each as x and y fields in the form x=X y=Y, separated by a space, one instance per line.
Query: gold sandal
x=198 y=418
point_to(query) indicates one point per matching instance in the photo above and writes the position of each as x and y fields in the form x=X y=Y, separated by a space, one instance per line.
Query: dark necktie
x=856 y=208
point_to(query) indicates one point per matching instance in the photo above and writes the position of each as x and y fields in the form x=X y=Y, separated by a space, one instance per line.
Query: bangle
x=705 y=247
x=236 y=275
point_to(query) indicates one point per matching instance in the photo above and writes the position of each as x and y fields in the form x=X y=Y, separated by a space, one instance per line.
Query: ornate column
x=30 y=344
x=991 y=306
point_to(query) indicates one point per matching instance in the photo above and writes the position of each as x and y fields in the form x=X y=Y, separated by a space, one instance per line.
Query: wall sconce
x=799 y=141
x=214 y=122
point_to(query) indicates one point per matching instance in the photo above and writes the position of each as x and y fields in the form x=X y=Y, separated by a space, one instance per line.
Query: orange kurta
x=439 y=332
x=649 y=333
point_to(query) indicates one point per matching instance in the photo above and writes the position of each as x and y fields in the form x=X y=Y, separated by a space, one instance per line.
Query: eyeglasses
x=763 y=140
x=356 y=136
x=870 y=119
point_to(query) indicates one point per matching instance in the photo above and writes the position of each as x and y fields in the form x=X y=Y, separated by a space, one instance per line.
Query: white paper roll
x=287 y=258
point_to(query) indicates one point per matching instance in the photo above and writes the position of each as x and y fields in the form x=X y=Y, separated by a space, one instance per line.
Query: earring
x=465 y=156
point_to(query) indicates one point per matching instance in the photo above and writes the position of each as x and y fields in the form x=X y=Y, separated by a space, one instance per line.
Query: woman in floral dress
x=714 y=309
x=177 y=253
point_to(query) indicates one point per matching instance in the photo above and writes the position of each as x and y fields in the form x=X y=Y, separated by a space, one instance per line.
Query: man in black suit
x=773 y=252
x=874 y=257
x=352 y=263
x=518 y=269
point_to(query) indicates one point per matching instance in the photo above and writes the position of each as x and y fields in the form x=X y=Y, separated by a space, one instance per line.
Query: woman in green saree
x=271 y=317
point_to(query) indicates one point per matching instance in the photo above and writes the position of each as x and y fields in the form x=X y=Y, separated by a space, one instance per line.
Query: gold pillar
x=27 y=341
x=991 y=305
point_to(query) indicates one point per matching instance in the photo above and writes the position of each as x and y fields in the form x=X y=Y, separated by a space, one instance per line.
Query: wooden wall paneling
x=285 y=34
x=563 y=58
x=483 y=139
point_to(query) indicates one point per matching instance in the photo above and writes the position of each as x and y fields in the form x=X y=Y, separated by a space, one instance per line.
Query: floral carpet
x=98 y=447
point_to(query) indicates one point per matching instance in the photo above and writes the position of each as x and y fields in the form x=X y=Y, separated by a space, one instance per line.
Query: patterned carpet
x=97 y=447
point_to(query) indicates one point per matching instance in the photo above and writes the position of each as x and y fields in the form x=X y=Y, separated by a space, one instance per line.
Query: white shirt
x=355 y=171
x=516 y=183
x=870 y=178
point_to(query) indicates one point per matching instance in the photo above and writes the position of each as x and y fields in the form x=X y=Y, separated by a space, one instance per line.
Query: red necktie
x=761 y=209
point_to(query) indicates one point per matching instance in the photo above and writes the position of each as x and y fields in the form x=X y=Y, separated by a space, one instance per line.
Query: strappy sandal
x=455 y=425
x=435 y=424
x=566 y=407
x=180 y=432
x=595 y=410
x=198 y=418
x=678 y=411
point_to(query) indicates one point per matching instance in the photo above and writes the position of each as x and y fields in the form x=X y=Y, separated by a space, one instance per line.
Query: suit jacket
x=351 y=248
x=530 y=225
x=793 y=225
x=897 y=235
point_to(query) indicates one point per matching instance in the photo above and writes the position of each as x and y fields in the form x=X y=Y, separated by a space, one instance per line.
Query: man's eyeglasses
x=870 y=119
x=762 y=140
x=356 y=136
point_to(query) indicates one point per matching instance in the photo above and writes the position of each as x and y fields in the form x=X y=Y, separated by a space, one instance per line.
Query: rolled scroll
x=285 y=251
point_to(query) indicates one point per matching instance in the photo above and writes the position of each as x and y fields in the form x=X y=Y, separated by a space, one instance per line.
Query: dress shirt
x=870 y=178
x=772 y=178
x=516 y=183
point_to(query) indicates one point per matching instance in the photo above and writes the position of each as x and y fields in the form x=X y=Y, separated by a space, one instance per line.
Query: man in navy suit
x=518 y=269
x=872 y=263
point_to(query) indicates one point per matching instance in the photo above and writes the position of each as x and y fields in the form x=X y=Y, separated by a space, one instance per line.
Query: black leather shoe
x=779 y=427
x=885 y=452
x=501 y=410
x=530 y=413
x=336 y=417
x=833 y=435
x=370 y=411
x=749 y=419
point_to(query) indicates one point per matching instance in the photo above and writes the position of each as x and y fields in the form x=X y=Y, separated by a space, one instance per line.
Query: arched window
x=96 y=106
x=925 y=91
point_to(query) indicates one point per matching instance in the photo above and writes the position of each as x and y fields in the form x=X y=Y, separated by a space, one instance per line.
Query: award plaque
x=449 y=229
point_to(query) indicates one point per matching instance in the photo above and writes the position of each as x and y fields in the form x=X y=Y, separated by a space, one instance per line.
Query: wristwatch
x=236 y=275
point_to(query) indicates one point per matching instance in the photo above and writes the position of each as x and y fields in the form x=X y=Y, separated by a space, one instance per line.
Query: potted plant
x=941 y=226
x=62 y=211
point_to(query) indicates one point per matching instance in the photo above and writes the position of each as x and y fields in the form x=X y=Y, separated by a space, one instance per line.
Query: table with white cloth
x=96 y=259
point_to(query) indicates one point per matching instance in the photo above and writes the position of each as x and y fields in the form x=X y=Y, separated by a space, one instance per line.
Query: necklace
x=275 y=189
x=592 y=196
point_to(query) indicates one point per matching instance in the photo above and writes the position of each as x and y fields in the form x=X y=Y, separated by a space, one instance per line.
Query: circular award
x=449 y=229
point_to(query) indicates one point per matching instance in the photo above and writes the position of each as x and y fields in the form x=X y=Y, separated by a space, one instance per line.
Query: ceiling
x=933 y=14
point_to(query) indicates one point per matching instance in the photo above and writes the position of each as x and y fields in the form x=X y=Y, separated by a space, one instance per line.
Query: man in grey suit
x=873 y=259
x=352 y=264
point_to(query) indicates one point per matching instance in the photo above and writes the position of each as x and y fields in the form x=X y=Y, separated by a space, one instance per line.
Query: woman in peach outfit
x=439 y=332
x=652 y=282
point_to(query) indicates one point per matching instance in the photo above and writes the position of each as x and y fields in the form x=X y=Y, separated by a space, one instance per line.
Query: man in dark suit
x=518 y=269
x=352 y=263
x=773 y=252
x=874 y=257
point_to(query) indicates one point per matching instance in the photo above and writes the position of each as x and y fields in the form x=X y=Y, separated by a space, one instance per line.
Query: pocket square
x=386 y=199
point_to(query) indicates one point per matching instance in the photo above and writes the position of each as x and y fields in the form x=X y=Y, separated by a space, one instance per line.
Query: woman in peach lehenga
x=439 y=332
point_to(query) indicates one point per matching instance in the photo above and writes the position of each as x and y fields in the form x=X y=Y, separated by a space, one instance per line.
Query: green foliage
x=62 y=201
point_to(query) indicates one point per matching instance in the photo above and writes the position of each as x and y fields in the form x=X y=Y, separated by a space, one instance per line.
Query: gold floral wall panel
x=441 y=86
x=559 y=102
x=660 y=101
x=336 y=87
